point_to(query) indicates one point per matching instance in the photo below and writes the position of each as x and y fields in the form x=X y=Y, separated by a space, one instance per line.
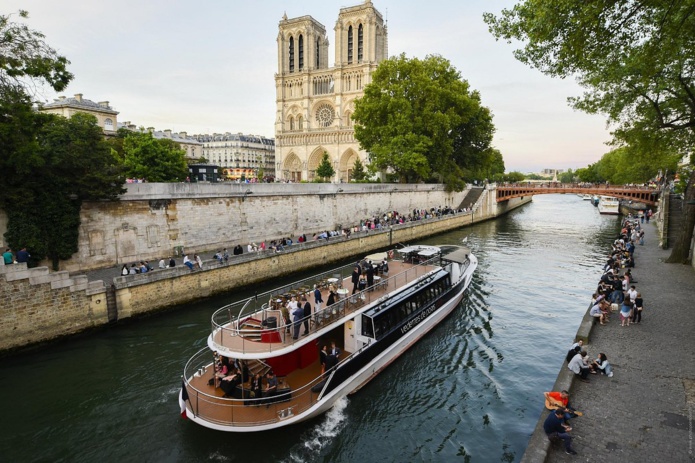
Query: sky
x=209 y=66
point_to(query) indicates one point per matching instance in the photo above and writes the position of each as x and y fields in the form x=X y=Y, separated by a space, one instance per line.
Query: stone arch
x=347 y=160
x=292 y=168
x=314 y=161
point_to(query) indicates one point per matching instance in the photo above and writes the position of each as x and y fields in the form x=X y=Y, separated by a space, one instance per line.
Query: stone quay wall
x=152 y=219
x=38 y=305
x=46 y=305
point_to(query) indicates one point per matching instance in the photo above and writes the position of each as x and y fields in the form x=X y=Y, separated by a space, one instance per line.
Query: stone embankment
x=40 y=312
x=645 y=411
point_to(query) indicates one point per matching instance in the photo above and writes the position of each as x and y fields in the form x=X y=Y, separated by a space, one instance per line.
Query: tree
x=49 y=164
x=567 y=176
x=358 y=171
x=65 y=163
x=154 y=160
x=325 y=169
x=634 y=59
x=419 y=118
x=26 y=60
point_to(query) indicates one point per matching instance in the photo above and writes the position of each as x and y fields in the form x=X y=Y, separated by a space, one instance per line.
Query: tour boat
x=371 y=328
x=609 y=205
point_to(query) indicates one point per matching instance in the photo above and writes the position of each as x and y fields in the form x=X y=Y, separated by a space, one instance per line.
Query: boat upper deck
x=259 y=328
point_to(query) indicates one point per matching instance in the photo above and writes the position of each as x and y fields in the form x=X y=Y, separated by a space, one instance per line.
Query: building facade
x=314 y=101
x=107 y=118
x=240 y=156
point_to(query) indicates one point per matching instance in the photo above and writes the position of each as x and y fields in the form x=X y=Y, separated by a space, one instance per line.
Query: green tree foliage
x=49 y=164
x=589 y=174
x=146 y=157
x=514 y=177
x=635 y=61
x=358 y=171
x=26 y=60
x=64 y=162
x=419 y=118
x=325 y=169
x=567 y=176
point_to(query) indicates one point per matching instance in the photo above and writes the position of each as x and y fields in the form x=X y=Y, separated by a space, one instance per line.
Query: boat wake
x=319 y=436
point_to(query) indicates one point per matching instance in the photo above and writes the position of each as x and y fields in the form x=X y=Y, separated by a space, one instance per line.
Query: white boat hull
x=360 y=378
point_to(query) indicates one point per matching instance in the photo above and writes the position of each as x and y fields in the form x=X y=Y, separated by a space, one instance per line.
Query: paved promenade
x=645 y=412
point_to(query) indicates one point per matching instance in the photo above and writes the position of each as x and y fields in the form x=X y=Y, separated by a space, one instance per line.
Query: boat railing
x=227 y=332
x=250 y=411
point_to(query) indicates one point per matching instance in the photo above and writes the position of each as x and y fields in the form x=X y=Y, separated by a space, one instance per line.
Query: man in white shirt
x=579 y=366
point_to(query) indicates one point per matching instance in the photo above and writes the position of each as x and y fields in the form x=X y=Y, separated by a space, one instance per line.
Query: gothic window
x=325 y=115
x=360 y=43
x=291 y=54
x=301 y=52
x=300 y=123
x=349 y=45
x=318 y=54
x=348 y=119
x=108 y=124
x=348 y=83
x=291 y=123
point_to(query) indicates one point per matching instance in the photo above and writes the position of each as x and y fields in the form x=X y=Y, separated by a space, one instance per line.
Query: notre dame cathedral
x=315 y=101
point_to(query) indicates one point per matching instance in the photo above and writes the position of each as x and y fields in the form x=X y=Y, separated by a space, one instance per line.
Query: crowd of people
x=372 y=223
x=616 y=292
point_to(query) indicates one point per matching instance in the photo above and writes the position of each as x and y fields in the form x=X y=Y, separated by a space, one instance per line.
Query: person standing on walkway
x=637 y=309
x=307 y=315
x=554 y=427
x=625 y=312
x=355 y=278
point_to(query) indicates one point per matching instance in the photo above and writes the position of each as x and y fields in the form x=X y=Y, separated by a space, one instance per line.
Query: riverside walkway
x=644 y=413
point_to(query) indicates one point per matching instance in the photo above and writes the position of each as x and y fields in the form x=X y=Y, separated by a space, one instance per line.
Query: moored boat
x=609 y=205
x=369 y=328
x=595 y=200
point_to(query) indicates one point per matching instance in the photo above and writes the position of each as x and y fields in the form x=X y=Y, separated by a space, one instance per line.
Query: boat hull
x=356 y=381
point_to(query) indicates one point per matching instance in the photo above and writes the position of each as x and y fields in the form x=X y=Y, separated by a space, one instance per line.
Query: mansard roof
x=80 y=103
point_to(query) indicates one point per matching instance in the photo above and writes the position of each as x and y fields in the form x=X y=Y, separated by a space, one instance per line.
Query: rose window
x=325 y=115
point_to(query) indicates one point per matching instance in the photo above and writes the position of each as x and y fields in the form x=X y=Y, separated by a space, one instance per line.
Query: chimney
x=132 y=126
x=104 y=104
x=167 y=133
x=78 y=96
x=150 y=129
x=183 y=134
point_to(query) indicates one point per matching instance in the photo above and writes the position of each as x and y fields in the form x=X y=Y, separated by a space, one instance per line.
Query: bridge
x=644 y=195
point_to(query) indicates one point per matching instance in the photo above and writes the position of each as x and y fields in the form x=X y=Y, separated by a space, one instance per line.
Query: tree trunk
x=681 y=248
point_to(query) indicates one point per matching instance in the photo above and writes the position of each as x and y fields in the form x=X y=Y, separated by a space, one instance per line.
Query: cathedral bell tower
x=315 y=101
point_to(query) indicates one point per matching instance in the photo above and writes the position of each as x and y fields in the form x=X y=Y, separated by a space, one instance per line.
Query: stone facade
x=152 y=219
x=107 y=118
x=315 y=102
x=39 y=305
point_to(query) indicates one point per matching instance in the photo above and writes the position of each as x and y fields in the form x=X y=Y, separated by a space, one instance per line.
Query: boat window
x=367 y=327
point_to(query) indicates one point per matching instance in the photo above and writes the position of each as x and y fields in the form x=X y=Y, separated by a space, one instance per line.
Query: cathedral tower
x=315 y=101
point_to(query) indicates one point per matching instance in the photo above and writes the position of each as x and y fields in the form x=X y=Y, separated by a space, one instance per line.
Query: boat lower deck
x=294 y=396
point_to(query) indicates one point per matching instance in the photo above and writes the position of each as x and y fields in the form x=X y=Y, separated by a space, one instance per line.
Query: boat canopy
x=460 y=256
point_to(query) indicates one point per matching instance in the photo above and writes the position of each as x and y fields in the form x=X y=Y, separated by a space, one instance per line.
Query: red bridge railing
x=640 y=194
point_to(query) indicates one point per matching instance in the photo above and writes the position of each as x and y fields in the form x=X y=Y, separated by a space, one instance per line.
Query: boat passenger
x=271 y=387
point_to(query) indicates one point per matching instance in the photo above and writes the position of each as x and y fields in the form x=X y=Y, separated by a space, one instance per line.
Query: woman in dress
x=124 y=270
x=625 y=312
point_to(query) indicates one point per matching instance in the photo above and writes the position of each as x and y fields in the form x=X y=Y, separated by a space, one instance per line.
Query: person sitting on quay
x=555 y=427
x=172 y=262
x=8 y=257
x=143 y=267
x=596 y=312
x=198 y=261
x=162 y=263
x=572 y=352
x=579 y=366
x=602 y=366
x=23 y=256
x=560 y=400
x=187 y=262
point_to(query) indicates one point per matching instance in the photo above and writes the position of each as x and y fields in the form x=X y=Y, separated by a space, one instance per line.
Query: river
x=470 y=391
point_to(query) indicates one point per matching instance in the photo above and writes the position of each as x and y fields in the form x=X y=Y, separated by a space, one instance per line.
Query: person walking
x=318 y=300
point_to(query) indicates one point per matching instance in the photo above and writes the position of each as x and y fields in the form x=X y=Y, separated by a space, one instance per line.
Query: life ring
x=391 y=254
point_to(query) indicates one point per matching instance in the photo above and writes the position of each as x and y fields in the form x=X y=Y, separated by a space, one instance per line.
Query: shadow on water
x=469 y=391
